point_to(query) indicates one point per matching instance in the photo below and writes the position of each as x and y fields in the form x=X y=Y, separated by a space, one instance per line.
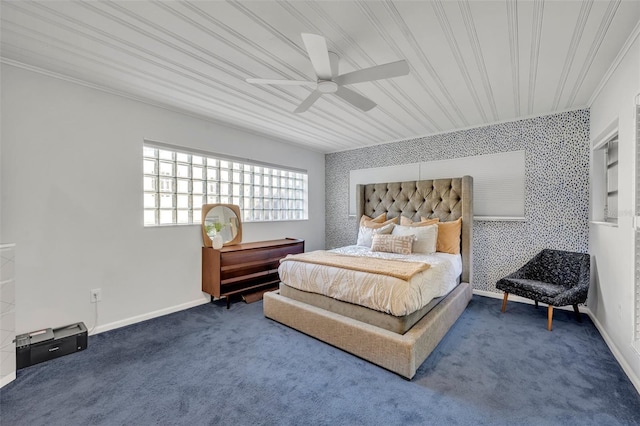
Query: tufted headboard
x=446 y=199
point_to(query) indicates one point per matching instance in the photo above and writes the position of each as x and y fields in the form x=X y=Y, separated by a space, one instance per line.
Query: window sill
x=499 y=219
x=170 y=225
x=276 y=221
x=600 y=223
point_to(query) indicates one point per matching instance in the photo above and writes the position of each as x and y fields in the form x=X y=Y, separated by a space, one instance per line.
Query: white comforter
x=382 y=293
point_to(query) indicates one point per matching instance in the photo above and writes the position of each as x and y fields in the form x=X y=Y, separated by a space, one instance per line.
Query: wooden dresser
x=245 y=268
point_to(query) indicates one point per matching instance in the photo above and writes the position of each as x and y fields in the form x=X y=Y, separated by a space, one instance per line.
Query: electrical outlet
x=96 y=295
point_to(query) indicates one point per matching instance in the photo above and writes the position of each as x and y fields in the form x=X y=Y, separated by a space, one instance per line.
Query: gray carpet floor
x=210 y=365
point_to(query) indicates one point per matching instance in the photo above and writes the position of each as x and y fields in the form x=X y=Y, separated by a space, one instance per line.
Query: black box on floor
x=43 y=345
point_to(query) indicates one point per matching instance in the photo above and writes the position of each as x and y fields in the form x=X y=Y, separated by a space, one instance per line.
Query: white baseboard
x=635 y=380
x=139 y=318
x=7 y=379
x=616 y=353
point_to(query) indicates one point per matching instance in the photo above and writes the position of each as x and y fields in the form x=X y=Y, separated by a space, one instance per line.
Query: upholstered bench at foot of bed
x=400 y=353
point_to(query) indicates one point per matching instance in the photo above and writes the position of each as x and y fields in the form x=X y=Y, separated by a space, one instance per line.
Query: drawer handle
x=54 y=349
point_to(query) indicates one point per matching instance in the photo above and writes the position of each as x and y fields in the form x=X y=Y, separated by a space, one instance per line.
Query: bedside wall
x=613 y=290
x=7 y=314
x=556 y=184
x=72 y=201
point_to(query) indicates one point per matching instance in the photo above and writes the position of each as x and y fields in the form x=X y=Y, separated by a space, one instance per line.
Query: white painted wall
x=611 y=297
x=71 y=184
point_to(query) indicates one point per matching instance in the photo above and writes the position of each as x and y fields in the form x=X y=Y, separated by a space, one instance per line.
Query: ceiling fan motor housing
x=327 y=86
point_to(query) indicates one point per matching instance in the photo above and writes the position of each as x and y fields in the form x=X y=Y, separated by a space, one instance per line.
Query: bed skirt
x=401 y=353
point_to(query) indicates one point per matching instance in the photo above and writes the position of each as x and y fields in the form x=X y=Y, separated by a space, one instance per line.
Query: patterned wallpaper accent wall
x=556 y=183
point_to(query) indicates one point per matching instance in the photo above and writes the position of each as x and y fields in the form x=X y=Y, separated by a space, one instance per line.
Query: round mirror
x=221 y=225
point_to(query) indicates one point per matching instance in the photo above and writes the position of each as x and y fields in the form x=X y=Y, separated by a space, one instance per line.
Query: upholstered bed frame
x=447 y=199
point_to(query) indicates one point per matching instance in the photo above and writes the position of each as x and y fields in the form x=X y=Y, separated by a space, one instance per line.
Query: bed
x=398 y=338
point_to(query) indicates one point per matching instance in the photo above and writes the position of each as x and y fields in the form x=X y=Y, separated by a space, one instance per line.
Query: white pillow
x=365 y=234
x=426 y=237
x=392 y=243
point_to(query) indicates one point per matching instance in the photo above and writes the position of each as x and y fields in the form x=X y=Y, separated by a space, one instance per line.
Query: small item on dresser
x=216 y=241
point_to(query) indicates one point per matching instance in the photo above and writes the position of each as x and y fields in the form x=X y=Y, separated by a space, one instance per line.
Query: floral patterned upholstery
x=554 y=277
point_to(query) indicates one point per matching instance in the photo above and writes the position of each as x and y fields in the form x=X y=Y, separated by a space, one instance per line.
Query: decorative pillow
x=449 y=236
x=374 y=225
x=378 y=219
x=365 y=233
x=430 y=220
x=405 y=221
x=426 y=237
x=392 y=243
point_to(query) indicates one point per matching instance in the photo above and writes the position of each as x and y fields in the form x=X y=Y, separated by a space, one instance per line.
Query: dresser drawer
x=257 y=255
x=245 y=268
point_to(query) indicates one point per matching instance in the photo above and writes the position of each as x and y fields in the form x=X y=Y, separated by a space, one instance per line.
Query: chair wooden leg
x=549 y=317
x=536 y=302
x=504 y=301
x=577 y=311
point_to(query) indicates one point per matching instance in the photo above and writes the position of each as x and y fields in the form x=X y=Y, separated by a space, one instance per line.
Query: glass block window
x=176 y=183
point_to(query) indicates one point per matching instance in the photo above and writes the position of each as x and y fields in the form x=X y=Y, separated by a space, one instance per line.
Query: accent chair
x=554 y=277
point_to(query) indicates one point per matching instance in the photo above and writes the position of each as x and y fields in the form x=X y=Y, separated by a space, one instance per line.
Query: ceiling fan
x=325 y=64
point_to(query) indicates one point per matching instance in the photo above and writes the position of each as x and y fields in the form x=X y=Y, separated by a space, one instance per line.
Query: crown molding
x=614 y=65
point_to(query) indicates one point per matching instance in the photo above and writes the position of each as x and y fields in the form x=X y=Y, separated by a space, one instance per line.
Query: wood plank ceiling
x=472 y=62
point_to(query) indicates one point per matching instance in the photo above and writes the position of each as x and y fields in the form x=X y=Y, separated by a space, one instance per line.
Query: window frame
x=611 y=151
x=636 y=229
x=605 y=187
x=174 y=175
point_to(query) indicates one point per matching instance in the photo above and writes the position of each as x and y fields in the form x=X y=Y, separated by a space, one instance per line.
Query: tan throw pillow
x=392 y=243
x=375 y=225
x=426 y=237
x=405 y=221
x=429 y=220
x=366 y=233
x=449 y=236
x=378 y=219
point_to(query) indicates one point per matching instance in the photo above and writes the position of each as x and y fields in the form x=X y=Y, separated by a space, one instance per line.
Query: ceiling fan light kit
x=325 y=65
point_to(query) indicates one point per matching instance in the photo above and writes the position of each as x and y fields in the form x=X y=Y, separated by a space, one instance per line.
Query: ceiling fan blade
x=285 y=82
x=378 y=72
x=309 y=101
x=355 y=99
x=334 y=59
x=318 y=54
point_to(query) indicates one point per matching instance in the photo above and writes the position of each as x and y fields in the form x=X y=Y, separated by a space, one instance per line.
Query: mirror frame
x=208 y=207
